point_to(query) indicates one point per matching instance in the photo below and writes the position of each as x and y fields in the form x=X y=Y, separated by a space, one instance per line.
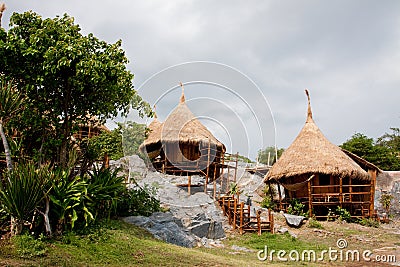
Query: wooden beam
x=309 y=198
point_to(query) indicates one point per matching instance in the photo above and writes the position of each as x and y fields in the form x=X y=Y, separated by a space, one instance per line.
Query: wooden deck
x=239 y=216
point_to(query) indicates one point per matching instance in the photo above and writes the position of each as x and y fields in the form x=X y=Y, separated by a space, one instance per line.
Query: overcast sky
x=347 y=53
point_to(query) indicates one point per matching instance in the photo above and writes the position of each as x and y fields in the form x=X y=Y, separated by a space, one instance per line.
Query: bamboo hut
x=322 y=176
x=182 y=145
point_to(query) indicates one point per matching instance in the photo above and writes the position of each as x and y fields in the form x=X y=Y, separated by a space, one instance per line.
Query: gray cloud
x=347 y=53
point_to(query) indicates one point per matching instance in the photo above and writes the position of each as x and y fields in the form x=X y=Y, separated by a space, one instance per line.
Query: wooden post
x=280 y=197
x=215 y=182
x=309 y=198
x=241 y=218
x=234 y=213
x=258 y=216
x=372 y=173
x=189 y=183
x=341 y=192
x=271 y=221
x=221 y=175
x=236 y=165
x=229 y=211
x=350 y=190
x=208 y=166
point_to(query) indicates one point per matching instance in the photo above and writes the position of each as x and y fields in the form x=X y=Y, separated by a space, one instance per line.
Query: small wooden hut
x=322 y=176
x=183 y=145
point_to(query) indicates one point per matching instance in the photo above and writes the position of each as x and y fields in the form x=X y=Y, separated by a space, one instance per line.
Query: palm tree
x=11 y=102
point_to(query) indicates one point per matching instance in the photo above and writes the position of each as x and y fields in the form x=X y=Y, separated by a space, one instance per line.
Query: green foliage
x=234 y=189
x=267 y=202
x=263 y=155
x=105 y=189
x=313 y=223
x=133 y=134
x=29 y=247
x=343 y=214
x=23 y=189
x=109 y=143
x=368 y=222
x=391 y=140
x=386 y=202
x=377 y=153
x=297 y=208
x=66 y=76
x=123 y=140
x=138 y=201
x=67 y=198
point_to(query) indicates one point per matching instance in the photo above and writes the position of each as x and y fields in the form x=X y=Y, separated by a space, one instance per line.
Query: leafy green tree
x=365 y=147
x=391 y=141
x=69 y=79
x=133 y=134
x=269 y=152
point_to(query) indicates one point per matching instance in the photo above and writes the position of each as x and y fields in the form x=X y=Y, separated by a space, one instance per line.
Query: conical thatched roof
x=181 y=126
x=312 y=153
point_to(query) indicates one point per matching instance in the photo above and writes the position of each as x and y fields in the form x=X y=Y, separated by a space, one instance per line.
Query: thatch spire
x=309 y=112
x=2 y=8
x=182 y=100
x=155 y=112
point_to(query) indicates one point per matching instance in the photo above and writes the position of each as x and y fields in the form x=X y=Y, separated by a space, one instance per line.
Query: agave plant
x=104 y=191
x=21 y=193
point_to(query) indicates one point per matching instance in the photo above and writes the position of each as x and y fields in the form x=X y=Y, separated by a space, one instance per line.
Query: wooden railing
x=239 y=216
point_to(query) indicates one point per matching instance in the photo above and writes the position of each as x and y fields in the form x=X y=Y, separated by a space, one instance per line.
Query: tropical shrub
x=21 y=192
x=297 y=208
x=343 y=214
x=138 y=201
x=104 y=190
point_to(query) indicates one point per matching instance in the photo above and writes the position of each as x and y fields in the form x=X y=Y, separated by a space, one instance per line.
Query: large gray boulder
x=164 y=227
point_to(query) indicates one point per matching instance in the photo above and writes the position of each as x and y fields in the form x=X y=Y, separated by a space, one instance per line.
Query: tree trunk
x=46 y=217
x=16 y=226
x=6 y=148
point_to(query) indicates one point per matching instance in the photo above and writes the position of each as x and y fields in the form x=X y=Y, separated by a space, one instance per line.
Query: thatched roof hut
x=182 y=140
x=312 y=153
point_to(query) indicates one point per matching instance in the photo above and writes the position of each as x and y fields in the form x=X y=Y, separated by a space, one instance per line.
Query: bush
x=368 y=222
x=313 y=223
x=268 y=203
x=343 y=214
x=297 y=208
x=138 y=201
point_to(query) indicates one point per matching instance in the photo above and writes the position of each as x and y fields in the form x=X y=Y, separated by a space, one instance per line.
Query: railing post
x=241 y=218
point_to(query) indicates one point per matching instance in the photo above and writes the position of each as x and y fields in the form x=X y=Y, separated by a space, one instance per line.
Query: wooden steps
x=239 y=216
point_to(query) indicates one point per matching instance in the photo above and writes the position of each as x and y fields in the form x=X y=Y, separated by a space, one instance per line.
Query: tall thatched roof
x=312 y=153
x=181 y=126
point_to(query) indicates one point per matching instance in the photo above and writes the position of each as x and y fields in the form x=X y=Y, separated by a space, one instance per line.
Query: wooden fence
x=240 y=218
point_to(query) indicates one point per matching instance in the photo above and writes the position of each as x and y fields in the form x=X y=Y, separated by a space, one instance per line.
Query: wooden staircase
x=239 y=216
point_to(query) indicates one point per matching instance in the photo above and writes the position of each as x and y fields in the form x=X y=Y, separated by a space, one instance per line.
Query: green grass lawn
x=120 y=244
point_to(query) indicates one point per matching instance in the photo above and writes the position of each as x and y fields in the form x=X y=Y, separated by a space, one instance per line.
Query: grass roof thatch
x=312 y=153
x=181 y=126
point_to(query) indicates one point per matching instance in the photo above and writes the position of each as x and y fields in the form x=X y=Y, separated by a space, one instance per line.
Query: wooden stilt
x=189 y=183
x=280 y=196
x=309 y=198
x=372 y=173
x=208 y=166
x=341 y=192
